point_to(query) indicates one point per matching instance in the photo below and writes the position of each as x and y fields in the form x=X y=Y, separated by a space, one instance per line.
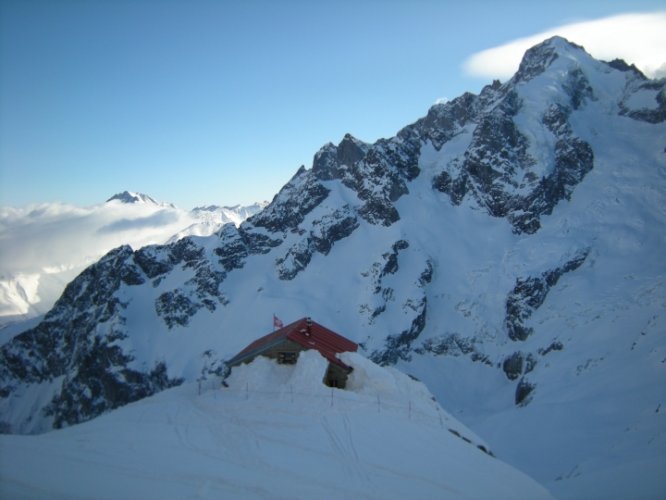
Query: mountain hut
x=285 y=344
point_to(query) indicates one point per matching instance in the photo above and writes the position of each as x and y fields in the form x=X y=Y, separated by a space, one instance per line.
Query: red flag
x=277 y=322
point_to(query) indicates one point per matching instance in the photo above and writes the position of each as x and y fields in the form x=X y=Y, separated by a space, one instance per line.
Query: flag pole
x=277 y=322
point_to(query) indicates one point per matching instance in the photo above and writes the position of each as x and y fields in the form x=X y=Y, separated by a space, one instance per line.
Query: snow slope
x=43 y=247
x=275 y=432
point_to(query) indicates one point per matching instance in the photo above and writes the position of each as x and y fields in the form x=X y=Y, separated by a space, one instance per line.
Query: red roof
x=307 y=333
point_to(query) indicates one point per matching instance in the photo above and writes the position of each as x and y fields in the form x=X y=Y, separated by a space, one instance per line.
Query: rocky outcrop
x=524 y=392
x=498 y=171
x=529 y=294
x=655 y=113
x=399 y=346
x=380 y=178
x=295 y=200
x=518 y=364
x=556 y=345
x=383 y=293
x=334 y=162
x=455 y=345
x=320 y=239
x=43 y=353
x=80 y=342
x=536 y=60
x=103 y=382
x=237 y=244
x=413 y=302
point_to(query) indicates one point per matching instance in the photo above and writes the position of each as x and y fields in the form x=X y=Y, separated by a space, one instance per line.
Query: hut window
x=287 y=358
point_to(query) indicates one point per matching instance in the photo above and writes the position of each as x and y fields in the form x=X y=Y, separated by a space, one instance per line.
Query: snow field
x=231 y=443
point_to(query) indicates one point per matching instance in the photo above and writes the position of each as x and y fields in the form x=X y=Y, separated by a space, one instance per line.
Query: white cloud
x=639 y=39
x=44 y=247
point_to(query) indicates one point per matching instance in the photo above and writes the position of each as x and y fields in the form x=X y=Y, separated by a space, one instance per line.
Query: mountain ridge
x=494 y=248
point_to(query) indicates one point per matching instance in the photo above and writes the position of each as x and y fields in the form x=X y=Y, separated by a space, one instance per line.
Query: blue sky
x=220 y=102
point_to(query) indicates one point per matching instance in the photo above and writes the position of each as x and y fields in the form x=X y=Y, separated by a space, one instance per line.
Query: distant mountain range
x=507 y=249
x=46 y=246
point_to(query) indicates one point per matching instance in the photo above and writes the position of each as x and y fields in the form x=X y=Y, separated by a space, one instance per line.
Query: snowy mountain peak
x=541 y=56
x=132 y=197
x=560 y=44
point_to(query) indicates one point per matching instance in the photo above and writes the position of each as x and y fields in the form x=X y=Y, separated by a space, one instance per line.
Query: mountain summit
x=506 y=249
x=130 y=197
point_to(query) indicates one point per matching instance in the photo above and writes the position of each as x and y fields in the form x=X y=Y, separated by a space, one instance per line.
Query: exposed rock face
x=536 y=60
x=444 y=121
x=383 y=293
x=332 y=162
x=414 y=302
x=324 y=233
x=524 y=391
x=654 y=114
x=530 y=293
x=102 y=383
x=379 y=179
x=518 y=364
x=294 y=201
x=399 y=346
x=554 y=346
x=79 y=342
x=454 y=345
x=498 y=170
